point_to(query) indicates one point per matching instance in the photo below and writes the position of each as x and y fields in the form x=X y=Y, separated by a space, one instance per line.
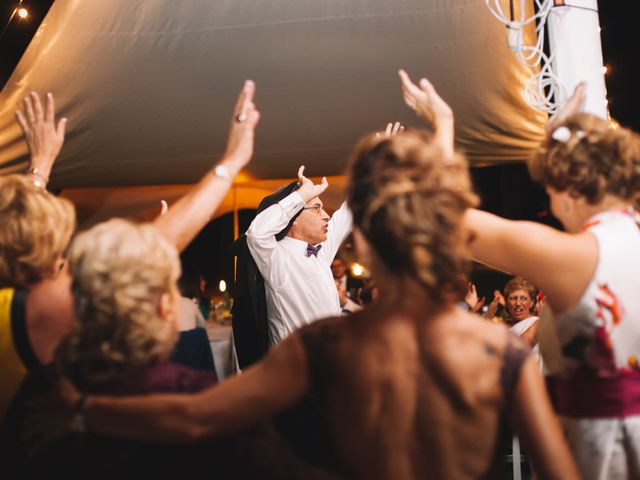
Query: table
x=222 y=348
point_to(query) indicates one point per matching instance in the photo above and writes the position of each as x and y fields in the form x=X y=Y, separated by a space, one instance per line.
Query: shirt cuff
x=291 y=204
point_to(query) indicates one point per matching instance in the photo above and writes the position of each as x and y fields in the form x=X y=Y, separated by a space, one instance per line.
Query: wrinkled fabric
x=149 y=86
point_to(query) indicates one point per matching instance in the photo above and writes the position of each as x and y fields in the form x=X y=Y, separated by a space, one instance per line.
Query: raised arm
x=560 y=264
x=260 y=392
x=191 y=213
x=340 y=227
x=44 y=135
x=261 y=233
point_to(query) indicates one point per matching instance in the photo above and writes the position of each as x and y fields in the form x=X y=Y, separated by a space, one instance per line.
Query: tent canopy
x=148 y=86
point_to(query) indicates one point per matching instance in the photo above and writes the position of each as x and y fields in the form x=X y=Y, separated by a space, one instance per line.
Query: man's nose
x=325 y=216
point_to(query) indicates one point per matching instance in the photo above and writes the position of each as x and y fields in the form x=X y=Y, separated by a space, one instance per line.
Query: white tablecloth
x=221 y=342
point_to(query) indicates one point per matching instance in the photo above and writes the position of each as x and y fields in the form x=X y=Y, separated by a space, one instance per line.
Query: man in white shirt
x=299 y=286
x=347 y=286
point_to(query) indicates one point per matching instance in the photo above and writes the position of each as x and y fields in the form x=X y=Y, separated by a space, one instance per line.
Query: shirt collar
x=298 y=246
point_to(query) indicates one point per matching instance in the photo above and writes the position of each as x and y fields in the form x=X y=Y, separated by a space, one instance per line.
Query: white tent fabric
x=148 y=85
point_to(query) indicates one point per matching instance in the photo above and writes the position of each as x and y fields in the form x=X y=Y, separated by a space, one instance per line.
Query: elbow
x=257 y=241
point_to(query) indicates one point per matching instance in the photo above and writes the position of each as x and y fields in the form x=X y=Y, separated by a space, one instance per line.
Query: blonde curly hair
x=36 y=228
x=408 y=200
x=593 y=160
x=120 y=271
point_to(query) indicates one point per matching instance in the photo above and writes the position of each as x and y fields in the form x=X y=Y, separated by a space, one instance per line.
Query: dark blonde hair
x=35 y=230
x=120 y=270
x=408 y=200
x=595 y=160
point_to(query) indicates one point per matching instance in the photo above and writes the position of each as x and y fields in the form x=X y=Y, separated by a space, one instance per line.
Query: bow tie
x=311 y=250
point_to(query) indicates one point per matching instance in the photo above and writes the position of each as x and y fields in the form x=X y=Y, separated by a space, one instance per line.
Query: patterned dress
x=597 y=389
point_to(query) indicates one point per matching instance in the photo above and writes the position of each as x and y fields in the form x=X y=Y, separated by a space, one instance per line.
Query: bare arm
x=537 y=427
x=191 y=213
x=257 y=394
x=560 y=264
x=530 y=335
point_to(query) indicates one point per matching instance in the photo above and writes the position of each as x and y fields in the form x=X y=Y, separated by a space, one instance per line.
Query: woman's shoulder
x=482 y=341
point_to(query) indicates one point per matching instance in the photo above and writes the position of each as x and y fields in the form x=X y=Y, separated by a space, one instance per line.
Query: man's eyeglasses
x=317 y=208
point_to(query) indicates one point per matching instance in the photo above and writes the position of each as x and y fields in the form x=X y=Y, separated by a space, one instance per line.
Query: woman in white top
x=588 y=273
x=520 y=301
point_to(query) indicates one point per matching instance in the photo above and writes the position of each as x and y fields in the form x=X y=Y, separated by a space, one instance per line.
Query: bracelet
x=39 y=182
x=78 y=422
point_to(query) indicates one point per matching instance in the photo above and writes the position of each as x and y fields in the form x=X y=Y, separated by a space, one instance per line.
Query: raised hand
x=241 y=133
x=308 y=189
x=472 y=300
x=44 y=135
x=393 y=129
x=428 y=105
x=573 y=104
x=498 y=300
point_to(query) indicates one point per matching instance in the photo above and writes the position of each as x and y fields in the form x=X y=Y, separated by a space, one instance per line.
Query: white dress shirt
x=299 y=289
x=350 y=306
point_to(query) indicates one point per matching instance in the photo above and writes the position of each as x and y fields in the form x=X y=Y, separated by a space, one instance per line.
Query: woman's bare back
x=409 y=396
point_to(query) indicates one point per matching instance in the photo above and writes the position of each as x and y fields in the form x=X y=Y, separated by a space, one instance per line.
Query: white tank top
x=602 y=332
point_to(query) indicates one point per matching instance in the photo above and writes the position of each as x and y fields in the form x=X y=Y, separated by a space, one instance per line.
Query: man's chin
x=320 y=239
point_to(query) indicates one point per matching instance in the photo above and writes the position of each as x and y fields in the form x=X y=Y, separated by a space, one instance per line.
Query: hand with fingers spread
x=392 y=129
x=43 y=133
x=428 y=105
x=308 y=189
x=498 y=300
x=573 y=105
x=472 y=300
x=241 y=133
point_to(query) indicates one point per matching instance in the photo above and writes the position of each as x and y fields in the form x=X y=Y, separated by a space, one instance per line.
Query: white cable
x=543 y=90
